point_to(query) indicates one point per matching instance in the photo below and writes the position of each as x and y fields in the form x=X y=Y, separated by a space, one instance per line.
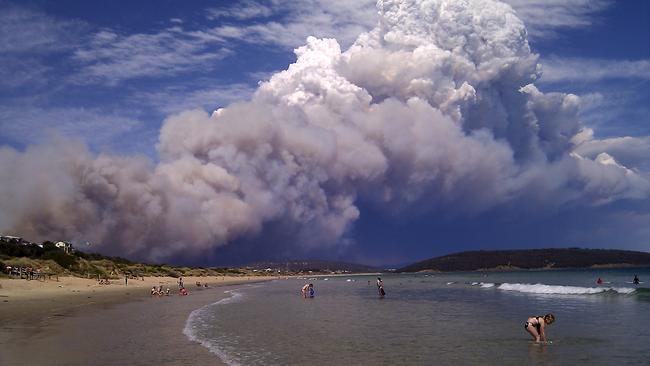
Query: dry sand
x=78 y=322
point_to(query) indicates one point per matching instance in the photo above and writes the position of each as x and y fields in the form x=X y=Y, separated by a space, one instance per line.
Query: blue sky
x=109 y=75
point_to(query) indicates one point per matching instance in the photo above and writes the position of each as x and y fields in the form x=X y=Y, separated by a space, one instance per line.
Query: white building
x=65 y=246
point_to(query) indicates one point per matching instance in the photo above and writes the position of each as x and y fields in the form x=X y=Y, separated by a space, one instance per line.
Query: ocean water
x=425 y=319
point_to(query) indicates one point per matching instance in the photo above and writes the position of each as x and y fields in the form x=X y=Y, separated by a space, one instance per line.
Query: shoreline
x=541 y=269
x=79 y=323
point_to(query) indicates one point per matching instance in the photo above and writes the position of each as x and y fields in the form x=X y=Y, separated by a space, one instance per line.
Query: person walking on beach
x=180 y=283
x=535 y=325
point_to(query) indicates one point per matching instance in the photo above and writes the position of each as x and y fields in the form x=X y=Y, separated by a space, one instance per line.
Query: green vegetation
x=531 y=259
x=53 y=260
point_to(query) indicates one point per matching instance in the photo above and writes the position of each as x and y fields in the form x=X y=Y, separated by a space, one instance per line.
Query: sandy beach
x=76 y=321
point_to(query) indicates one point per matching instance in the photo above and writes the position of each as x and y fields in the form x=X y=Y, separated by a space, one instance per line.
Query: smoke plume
x=433 y=110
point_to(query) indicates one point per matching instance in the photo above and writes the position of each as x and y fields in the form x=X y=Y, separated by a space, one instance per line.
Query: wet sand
x=119 y=325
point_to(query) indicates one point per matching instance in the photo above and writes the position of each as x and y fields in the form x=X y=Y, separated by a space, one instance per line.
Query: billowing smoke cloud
x=433 y=110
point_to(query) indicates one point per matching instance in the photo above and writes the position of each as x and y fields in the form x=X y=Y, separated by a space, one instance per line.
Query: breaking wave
x=562 y=290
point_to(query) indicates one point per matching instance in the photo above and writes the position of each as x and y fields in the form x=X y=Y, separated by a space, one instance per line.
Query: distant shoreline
x=531 y=259
x=515 y=269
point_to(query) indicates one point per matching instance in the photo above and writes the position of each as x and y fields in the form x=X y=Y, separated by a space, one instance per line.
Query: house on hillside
x=65 y=246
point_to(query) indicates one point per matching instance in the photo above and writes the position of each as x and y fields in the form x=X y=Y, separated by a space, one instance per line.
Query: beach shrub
x=64 y=260
x=48 y=246
x=13 y=250
x=86 y=268
x=171 y=273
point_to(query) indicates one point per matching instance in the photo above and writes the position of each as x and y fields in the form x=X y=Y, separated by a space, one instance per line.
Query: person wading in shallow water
x=307 y=290
x=535 y=326
x=380 y=287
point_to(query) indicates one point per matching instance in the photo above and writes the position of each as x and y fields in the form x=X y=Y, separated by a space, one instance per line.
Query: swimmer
x=535 y=326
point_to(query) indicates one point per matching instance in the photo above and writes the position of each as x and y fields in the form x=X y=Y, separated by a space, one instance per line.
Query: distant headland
x=530 y=259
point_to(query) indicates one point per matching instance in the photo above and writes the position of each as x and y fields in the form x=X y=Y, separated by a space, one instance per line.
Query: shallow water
x=460 y=318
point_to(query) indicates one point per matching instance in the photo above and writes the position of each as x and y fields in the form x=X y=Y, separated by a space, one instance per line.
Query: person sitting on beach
x=183 y=292
x=535 y=326
x=154 y=292
x=167 y=292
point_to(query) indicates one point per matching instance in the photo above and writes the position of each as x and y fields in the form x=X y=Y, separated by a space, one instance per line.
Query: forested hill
x=530 y=259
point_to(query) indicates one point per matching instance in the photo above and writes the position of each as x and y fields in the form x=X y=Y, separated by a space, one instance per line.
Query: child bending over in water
x=307 y=289
x=535 y=326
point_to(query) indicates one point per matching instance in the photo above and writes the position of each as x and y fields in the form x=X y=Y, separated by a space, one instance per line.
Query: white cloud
x=633 y=152
x=25 y=30
x=546 y=18
x=173 y=100
x=562 y=69
x=434 y=110
x=111 y=58
x=32 y=124
x=293 y=22
x=27 y=37
x=344 y=20
x=242 y=10
x=16 y=72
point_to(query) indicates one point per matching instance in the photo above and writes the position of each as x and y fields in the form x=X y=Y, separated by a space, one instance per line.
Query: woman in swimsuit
x=535 y=326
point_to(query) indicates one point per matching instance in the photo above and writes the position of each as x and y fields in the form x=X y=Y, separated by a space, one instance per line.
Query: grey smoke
x=433 y=110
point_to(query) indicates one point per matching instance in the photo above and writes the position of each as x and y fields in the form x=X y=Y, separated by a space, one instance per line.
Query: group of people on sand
x=159 y=291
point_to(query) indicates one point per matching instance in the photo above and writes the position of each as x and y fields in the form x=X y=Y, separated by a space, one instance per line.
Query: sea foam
x=561 y=290
x=193 y=323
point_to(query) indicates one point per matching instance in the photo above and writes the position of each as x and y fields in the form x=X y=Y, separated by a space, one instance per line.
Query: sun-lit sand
x=108 y=324
x=22 y=290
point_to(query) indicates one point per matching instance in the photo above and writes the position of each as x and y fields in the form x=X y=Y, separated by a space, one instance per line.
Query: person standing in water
x=636 y=280
x=380 y=287
x=535 y=325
